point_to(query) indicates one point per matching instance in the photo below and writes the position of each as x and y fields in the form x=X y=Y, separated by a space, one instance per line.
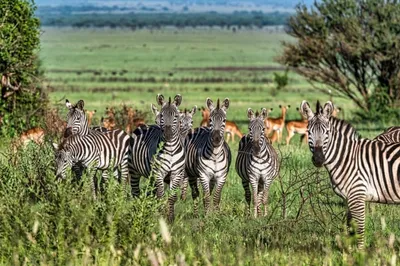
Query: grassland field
x=59 y=223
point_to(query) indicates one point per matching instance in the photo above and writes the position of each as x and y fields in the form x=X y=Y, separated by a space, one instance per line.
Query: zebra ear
x=264 y=113
x=193 y=111
x=328 y=109
x=305 y=110
x=55 y=146
x=154 y=109
x=80 y=104
x=160 y=99
x=68 y=104
x=250 y=114
x=225 y=104
x=178 y=100
x=210 y=104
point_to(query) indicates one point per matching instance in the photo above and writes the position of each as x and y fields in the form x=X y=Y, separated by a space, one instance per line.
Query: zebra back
x=390 y=135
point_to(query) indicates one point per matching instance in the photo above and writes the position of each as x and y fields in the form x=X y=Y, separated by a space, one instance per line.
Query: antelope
x=231 y=129
x=132 y=121
x=205 y=113
x=276 y=124
x=297 y=126
x=35 y=135
x=109 y=121
x=90 y=115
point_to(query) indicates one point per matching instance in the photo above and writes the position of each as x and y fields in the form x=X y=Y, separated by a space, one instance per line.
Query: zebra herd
x=171 y=152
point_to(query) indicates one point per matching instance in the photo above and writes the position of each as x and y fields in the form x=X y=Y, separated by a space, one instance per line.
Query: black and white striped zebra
x=186 y=127
x=208 y=156
x=157 y=151
x=360 y=169
x=390 y=135
x=117 y=142
x=94 y=149
x=257 y=162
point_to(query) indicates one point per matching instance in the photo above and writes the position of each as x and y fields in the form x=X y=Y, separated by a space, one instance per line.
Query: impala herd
x=273 y=126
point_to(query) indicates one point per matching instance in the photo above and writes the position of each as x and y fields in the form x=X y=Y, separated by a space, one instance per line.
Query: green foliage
x=45 y=221
x=21 y=99
x=281 y=80
x=351 y=46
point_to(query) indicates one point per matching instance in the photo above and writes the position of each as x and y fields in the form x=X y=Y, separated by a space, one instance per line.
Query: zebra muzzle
x=68 y=132
x=318 y=157
x=216 y=138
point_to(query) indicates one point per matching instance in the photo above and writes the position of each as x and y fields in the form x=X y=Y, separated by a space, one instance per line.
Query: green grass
x=49 y=222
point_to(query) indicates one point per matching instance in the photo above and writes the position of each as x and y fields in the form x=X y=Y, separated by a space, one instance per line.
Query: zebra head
x=76 y=119
x=217 y=120
x=257 y=128
x=186 y=123
x=63 y=160
x=169 y=116
x=319 y=127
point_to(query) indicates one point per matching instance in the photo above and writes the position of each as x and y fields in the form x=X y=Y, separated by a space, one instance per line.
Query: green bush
x=22 y=99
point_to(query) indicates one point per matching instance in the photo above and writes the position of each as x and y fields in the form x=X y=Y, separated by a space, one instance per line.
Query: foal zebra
x=117 y=142
x=158 y=152
x=257 y=161
x=208 y=156
x=390 y=135
x=360 y=169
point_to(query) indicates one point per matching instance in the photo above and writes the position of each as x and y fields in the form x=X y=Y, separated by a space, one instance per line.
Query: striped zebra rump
x=390 y=135
x=360 y=169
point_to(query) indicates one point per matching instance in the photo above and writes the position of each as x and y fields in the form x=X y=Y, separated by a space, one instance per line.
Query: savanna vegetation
x=45 y=221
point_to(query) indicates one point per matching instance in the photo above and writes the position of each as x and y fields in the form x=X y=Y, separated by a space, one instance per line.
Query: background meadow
x=49 y=222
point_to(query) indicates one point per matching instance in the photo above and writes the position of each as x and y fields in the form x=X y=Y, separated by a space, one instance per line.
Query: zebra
x=77 y=124
x=360 y=169
x=257 y=161
x=208 y=156
x=157 y=151
x=186 y=127
x=390 y=135
x=81 y=151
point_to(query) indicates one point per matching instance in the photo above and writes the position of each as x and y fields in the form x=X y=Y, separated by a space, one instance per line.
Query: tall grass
x=45 y=221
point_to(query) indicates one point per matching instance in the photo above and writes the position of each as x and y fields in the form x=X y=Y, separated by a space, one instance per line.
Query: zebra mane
x=339 y=125
x=218 y=103
x=169 y=101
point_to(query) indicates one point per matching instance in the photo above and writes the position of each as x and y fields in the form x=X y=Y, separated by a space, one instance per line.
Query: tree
x=22 y=100
x=353 y=46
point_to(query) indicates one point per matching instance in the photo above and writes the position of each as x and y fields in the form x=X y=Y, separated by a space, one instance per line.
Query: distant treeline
x=157 y=20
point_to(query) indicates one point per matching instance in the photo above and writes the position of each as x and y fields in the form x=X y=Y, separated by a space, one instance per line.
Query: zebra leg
x=254 y=187
x=217 y=194
x=205 y=183
x=265 y=196
x=247 y=194
x=195 y=194
x=135 y=182
x=124 y=170
x=357 y=212
x=185 y=180
x=176 y=179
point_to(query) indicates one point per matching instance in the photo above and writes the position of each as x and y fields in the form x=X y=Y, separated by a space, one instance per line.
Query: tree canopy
x=21 y=98
x=353 y=46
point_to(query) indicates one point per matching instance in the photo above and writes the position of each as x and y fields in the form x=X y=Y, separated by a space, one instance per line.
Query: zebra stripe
x=360 y=169
x=208 y=156
x=257 y=162
x=77 y=124
x=157 y=151
x=79 y=152
x=390 y=135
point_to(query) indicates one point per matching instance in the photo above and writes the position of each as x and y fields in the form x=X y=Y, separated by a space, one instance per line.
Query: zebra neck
x=83 y=131
x=341 y=148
